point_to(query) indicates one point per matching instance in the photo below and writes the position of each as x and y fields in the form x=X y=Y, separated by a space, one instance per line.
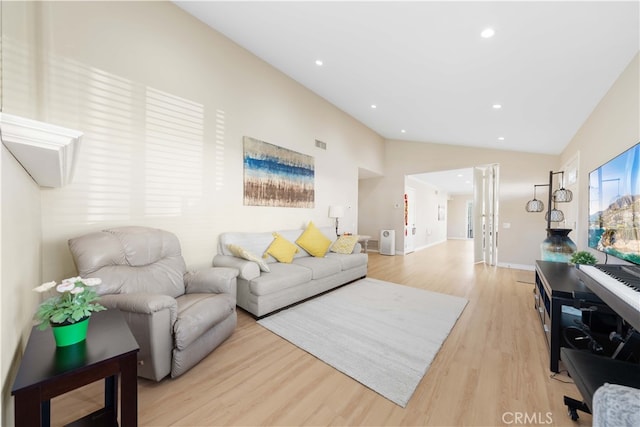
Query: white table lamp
x=336 y=211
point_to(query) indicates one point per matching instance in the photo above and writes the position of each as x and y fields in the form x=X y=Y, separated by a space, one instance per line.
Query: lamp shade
x=535 y=205
x=562 y=195
x=336 y=211
x=556 y=215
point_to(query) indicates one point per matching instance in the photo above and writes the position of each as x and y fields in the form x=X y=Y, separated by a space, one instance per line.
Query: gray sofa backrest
x=130 y=260
x=258 y=242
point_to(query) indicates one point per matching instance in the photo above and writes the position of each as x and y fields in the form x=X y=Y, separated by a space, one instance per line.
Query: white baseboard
x=419 y=248
x=517 y=266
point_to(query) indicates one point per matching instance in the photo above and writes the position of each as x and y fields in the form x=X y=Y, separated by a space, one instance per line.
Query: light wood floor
x=492 y=370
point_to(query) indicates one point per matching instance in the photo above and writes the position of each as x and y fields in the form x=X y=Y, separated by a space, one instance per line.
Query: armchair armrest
x=248 y=270
x=151 y=318
x=141 y=303
x=218 y=280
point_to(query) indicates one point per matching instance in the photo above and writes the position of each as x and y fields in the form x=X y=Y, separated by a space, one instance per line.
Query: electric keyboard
x=618 y=286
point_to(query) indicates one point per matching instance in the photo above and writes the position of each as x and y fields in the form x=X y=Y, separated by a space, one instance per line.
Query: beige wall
x=164 y=102
x=457 y=216
x=429 y=230
x=20 y=268
x=612 y=127
x=20 y=212
x=518 y=173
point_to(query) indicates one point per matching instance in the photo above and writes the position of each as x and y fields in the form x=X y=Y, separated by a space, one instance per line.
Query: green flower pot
x=70 y=334
x=71 y=356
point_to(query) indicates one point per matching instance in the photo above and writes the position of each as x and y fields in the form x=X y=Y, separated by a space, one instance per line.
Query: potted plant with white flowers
x=68 y=311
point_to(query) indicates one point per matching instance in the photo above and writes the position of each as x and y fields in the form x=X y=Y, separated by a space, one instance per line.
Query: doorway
x=469 y=220
x=485 y=216
x=473 y=192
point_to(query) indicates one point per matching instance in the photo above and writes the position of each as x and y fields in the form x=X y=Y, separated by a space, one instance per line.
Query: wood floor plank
x=493 y=365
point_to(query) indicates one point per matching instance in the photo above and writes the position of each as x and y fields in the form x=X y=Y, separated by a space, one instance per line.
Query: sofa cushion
x=282 y=276
x=198 y=313
x=344 y=244
x=347 y=262
x=255 y=243
x=320 y=267
x=240 y=252
x=281 y=249
x=258 y=242
x=313 y=241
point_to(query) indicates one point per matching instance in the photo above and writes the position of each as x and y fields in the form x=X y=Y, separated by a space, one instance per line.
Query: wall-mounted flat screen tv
x=614 y=206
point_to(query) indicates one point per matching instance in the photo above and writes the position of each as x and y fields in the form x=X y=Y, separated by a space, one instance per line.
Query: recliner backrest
x=131 y=259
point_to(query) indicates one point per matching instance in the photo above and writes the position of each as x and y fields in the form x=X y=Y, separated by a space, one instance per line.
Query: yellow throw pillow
x=344 y=244
x=281 y=249
x=313 y=241
x=241 y=252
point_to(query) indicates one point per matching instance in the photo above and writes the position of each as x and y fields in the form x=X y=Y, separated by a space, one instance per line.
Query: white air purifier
x=387 y=242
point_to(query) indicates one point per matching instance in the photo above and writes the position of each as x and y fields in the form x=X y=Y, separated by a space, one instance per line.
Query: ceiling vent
x=47 y=152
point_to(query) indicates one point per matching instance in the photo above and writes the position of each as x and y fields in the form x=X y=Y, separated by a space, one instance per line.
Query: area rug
x=382 y=334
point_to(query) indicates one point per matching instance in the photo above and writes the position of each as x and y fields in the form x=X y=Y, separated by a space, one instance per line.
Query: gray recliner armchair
x=177 y=317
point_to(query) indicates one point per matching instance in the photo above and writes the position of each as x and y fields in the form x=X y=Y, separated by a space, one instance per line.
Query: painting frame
x=276 y=176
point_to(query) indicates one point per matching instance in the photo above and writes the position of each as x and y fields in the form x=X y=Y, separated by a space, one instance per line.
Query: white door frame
x=469 y=219
x=485 y=199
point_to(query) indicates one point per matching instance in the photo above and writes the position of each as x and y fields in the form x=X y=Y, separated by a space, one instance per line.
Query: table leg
x=29 y=410
x=111 y=398
x=45 y=407
x=129 y=391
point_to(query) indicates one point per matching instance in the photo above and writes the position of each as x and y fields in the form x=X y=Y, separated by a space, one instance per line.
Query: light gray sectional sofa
x=261 y=293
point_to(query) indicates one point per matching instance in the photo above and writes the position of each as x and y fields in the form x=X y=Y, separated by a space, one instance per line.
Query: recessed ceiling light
x=403 y=131
x=487 y=33
x=374 y=106
x=501 y=138
x=497 y=106
x=319 y=62
x=459 y=175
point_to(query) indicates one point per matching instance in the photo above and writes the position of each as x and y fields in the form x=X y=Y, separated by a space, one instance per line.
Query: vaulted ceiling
x=430 y=74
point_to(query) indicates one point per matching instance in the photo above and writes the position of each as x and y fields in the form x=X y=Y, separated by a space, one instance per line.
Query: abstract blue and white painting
x=276 y=176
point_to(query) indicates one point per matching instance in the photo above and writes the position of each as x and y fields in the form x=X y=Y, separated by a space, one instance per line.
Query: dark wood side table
x=47 y=371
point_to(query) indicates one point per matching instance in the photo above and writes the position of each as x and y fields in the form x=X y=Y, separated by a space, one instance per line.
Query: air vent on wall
x=320 y=144
x=47 y=152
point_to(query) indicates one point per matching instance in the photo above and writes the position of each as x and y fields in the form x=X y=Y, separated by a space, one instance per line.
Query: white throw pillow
x=245 y=254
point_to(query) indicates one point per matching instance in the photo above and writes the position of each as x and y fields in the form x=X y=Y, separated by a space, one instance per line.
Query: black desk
x=555 y=286
x=47 y=371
